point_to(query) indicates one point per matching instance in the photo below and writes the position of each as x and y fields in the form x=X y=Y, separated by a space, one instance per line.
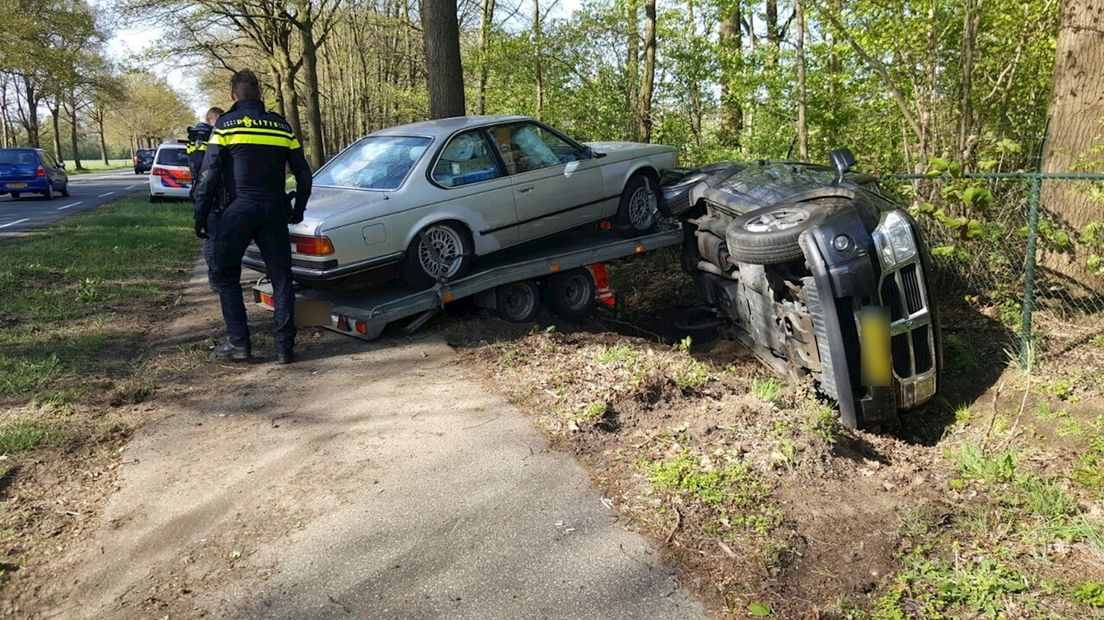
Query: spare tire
x=769 y=236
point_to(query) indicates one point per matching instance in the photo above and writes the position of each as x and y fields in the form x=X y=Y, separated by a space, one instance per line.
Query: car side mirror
x=586 y=153
x=842 y=160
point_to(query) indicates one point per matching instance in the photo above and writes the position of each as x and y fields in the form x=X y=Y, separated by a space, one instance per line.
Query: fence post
x=1029 y=270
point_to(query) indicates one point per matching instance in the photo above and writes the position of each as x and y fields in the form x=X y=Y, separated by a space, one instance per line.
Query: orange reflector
x=640 y=249
x=267 y=300
x=447 y=297
x=555 y=267
x=605 y=225
x=362 y=328
x=315 y=246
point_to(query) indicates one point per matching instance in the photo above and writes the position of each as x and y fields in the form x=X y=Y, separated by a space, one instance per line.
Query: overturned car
x=819 y=274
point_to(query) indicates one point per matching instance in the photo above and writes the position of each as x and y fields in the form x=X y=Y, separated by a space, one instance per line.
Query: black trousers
x=263 y=222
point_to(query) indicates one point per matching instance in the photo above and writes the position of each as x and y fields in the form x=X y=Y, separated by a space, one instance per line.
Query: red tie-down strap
x=602 y=283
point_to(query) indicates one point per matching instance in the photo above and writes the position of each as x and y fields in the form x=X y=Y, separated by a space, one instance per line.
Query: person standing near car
x=197 y=148
x=246 y=161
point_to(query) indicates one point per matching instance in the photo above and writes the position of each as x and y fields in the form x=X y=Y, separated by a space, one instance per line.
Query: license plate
x=877 y=368
x=16 y=185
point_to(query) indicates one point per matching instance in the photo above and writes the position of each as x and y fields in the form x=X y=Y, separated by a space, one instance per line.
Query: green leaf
x=943 y=251
x=939 y=164
x=759 y=610
x=979 y=197
x=954 y=169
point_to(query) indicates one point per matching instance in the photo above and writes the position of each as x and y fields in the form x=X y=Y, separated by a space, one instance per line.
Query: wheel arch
x=433 y=220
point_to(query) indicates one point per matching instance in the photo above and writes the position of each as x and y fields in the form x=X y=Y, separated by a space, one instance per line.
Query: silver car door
x=473 y=177
x=555 y=188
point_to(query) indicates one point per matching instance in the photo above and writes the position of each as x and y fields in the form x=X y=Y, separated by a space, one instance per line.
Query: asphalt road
x=86 y=191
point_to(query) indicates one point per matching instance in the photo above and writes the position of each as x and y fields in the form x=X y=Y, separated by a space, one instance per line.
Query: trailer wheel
x=517 y=302
x=570 y=294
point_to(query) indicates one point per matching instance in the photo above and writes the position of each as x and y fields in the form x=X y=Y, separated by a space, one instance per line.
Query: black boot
x=286 y=356
x=227 y=351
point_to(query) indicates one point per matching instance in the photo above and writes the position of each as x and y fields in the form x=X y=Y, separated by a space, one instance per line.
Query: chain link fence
x=1021 y=262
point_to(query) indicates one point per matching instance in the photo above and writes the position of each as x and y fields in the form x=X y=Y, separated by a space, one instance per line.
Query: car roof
x=172 y=145
x=444 y=127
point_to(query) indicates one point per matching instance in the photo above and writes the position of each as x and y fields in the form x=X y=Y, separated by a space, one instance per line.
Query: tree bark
x=486 y=20
x=970 y=21
x=694 y=87
x=310 y=78
x=444 y=72
x=538 y=70
x=103 y=139
x=802 y=98
x=648 y=86
x=73 y=141
x=1076 y=110
x=731 y=42
x=632 y=71
x=55 y=117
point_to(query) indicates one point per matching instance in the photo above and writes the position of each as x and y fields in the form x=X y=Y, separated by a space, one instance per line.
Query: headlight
x=894 y=240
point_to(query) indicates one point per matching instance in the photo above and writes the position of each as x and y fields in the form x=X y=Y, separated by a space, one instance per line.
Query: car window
x=49 y=159
x=172 y=157
x=376 y=162
x=18 y=157
x=528 y=146
x=466 y=159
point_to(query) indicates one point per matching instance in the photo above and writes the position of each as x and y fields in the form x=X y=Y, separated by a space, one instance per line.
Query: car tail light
x=314 y=246
x=157 y=171
x=135 y=159
x=41 y=172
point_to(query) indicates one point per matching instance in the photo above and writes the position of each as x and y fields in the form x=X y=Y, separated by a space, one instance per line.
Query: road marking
x=106 y=195
x=14 y=223
x=130 y=186
x=67 y=206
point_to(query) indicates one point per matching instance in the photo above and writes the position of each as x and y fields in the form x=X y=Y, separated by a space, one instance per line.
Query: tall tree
x=486 y=21
x=647 y=88
x=444 y=72
x=731 y=47
x=1076 y=110
x=538 y=69
x=802 y=94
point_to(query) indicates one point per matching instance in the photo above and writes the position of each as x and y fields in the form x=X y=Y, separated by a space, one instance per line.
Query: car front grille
x=912 y=337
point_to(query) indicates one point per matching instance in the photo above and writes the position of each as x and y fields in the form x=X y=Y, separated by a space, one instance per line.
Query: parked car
x=143 y=160
x=170 y=176
x=819 y=273
x=426 y=200
x=32 y=171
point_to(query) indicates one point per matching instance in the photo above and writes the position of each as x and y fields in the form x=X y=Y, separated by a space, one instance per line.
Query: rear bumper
x=37 y=184
x=379 y=269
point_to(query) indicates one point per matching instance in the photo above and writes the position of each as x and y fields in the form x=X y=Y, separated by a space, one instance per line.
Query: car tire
x=450 y=240
x=517 y=302
x=571 y=294
x=769 y=236
x=674 y=198
x=65 y=189
x=15 y=195
x=637 y=213
x=49 y=193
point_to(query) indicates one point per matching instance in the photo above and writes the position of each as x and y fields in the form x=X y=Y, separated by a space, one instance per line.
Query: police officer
x=248 y=154
x=197 y=148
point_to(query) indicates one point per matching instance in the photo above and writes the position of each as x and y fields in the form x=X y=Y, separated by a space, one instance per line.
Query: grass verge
x=95 y=165
x=79 y=305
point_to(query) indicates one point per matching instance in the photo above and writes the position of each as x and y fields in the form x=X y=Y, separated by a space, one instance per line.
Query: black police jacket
x=247 y=158
x=197 y=147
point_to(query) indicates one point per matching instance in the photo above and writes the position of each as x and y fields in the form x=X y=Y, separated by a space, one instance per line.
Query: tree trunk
x=444 y=72
x=287 y=71
x=1076 y=110
x=632 y=71
x=648 y=86
x=694 y=86
x=55 y=116
x=103 y=139
x=802 y=99
x=31 y=124
x=314 y=106
x=486 y=20
x=970 y=20
x=731 y=42
x=538 y=69
x=73 y=141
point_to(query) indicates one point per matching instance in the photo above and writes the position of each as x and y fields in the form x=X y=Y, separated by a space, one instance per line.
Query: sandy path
x=370 y=481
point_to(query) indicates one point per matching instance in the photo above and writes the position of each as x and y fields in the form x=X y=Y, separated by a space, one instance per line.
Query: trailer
x=559 y=270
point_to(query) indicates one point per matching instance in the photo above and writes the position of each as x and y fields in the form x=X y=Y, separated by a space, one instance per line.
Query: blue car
x=31 y=171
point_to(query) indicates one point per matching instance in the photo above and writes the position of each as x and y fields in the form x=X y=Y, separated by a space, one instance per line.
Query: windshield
x=379 y=162
x=16 y=157
x=172 y=157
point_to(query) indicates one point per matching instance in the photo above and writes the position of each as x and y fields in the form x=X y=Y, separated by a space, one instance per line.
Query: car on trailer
x=409 y=200
x=819 y=273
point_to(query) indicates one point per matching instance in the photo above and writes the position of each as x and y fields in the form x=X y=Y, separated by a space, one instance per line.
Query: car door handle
x=525 y=190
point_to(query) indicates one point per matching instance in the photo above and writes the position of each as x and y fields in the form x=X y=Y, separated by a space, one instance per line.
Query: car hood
x=331 y=207
x=625 y=150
